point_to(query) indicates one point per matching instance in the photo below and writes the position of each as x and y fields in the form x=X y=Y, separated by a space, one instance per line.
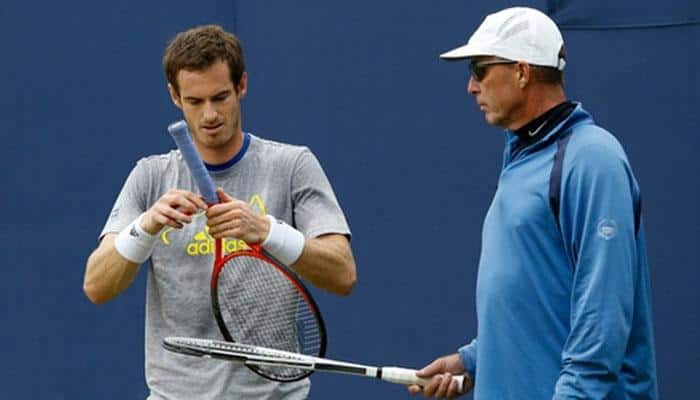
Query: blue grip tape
x=178 y=130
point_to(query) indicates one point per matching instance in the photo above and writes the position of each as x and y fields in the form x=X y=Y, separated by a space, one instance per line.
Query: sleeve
x=131 y=202
x=468 y=355
x=315 y=207
x=597 y=219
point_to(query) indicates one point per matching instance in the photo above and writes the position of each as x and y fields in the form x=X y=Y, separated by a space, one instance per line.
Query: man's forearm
x=327 y=263
x=107 y=273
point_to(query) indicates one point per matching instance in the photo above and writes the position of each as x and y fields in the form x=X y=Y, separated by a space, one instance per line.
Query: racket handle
x=181 y=135
x=406 y=376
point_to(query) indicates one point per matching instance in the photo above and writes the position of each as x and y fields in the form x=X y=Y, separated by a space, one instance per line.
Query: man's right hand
x=175 y=208
x=441 y=384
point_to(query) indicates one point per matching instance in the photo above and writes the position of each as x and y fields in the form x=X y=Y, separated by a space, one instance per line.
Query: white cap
x=518 y=34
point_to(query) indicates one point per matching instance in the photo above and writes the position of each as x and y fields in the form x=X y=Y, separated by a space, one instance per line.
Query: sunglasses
x=478 y=69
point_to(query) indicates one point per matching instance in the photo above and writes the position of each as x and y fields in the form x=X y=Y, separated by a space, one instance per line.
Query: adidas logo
x=204 y=245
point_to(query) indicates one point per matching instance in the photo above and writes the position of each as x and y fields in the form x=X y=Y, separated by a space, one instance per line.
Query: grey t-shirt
x=274 y=178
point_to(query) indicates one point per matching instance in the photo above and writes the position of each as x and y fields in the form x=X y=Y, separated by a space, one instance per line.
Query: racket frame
x=257 y=355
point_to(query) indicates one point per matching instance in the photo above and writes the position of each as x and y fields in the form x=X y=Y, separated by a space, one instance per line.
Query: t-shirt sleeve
x=315 y=208
x=131 y=202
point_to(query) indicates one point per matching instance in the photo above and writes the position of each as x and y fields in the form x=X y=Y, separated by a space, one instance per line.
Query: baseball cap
x=518 y=34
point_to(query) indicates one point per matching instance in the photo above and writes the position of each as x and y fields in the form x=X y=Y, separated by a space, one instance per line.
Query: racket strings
x=262 y=306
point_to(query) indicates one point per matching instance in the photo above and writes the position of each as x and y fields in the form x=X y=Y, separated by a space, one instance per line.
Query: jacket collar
x=514 y=143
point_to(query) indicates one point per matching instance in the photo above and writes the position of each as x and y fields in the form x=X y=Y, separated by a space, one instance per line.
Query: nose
x=210 y=113
x=472 y=86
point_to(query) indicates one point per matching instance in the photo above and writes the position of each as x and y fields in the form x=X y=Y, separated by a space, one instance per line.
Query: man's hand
x=234 y=218
x=442 y=385
x=175 y=208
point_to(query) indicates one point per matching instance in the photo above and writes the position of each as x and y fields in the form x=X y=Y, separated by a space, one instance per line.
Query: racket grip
x=406 y=376
x=181 y=135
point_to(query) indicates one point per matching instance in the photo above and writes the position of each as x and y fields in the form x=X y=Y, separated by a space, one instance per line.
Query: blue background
x=411 y=159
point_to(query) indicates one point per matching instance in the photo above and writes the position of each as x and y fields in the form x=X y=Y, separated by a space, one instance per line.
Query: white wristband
x=283 y=241
x=135 y=244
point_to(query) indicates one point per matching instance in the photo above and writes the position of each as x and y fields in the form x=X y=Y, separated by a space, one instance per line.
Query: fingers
x=229 y=218
x=234 y=218
x=440 y=382
x=218 y=213
x=223 y=196
x=436 y=387
x=232 y=224
x=186 y=203
x=238 y=221
x=414 y=389
x=453 y=389
x=446 y=383
x=441 y=386
x=175 y=208
x=198 y=201
x=435 y=367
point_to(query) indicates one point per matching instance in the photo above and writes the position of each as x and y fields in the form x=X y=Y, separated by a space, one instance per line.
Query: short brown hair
x=547 y=75
x=550 y=75
x=199 y=48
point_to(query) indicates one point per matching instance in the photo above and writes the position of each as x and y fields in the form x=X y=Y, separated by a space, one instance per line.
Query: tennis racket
x=255 y=298
x=262 y=356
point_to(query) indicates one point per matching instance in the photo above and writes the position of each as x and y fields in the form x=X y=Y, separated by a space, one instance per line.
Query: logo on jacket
x=607 y=228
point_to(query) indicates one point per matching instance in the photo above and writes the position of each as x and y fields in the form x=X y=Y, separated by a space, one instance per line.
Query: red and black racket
x=256 y=299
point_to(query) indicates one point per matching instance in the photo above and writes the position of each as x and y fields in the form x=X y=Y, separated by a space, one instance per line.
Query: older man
x=563 y=298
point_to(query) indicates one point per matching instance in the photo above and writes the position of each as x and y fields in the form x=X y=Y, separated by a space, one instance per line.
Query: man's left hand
x=233 y=218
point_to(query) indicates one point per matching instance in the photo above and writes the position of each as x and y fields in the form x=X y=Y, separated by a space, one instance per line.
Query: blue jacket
x=563 y=302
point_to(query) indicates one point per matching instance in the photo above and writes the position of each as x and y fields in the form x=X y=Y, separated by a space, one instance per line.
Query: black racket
x=256 y=299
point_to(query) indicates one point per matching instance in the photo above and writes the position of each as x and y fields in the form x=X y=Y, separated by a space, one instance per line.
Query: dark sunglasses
x=478 y=69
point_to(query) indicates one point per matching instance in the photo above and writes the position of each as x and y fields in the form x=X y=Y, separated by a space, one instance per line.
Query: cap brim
x=466 y=51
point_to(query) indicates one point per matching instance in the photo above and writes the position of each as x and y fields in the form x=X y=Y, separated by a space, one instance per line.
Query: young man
x=563 y=298
x=261 y=184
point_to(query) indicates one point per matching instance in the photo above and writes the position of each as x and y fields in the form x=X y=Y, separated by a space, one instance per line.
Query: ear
x=174 y=96
x=524 y=73
x=242 y=86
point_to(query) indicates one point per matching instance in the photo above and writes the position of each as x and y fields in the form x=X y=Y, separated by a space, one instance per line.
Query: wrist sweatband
x=283 y=241
x=135 y=244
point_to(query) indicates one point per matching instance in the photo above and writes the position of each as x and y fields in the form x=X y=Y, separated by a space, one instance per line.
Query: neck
x=223 y=152
x=536 y=102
